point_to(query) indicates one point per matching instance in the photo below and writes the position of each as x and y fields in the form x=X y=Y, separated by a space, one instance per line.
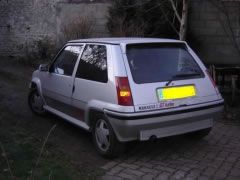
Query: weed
x=41 y=152
x=79 y=27
x=4 y=155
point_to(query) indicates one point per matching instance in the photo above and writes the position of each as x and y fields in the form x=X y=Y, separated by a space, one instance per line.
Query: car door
x=57 y=84
x=91 y=81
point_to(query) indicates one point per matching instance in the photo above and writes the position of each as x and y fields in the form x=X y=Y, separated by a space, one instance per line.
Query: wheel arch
x=91 y=116
x=36 y=84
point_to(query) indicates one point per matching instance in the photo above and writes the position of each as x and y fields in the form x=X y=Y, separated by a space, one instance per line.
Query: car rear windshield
x=161 y=62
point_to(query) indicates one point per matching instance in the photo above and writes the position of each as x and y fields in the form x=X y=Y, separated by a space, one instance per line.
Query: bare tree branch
x=174 y=16
x=169 y=21
x=175 y=10
x=232 y=34
x=183 y=22
x=151 y=8
x=228 y=29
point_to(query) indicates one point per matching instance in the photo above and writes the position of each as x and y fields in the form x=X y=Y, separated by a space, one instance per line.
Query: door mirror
x=43 y=67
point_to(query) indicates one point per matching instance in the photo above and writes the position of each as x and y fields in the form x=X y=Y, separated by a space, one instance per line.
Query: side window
x=93 y=63
x=65 y=62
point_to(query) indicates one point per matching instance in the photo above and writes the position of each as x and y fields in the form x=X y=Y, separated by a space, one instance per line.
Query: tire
x=36 y=103
x=199 y=134
x=104 y=138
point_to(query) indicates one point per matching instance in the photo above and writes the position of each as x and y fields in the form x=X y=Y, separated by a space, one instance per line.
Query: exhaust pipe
x=153 y=138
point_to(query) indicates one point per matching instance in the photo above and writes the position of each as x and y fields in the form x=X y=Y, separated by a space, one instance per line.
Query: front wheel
x=36 y=102
x=104 y=138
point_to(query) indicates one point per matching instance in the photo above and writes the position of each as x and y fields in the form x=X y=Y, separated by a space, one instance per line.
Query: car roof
x=123 y=40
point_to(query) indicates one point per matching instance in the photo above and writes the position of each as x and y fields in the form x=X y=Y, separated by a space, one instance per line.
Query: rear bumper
x=141 y=126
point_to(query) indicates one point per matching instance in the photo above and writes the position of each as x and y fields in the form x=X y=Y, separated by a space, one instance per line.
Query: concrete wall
x=209 y=28
x=24 y=24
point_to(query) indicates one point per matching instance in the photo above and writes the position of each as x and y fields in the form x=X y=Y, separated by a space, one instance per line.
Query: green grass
x=22 y=151
x=22 y=145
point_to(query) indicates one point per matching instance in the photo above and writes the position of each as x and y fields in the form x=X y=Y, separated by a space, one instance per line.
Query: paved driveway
x=217 y=156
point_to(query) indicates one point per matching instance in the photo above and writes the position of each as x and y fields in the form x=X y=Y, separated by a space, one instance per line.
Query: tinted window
x=66 y=61
x=93 y=63
x=161 y=62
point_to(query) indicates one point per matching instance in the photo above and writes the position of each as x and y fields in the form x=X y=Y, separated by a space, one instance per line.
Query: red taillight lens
x=210 y=77
x=123 y=91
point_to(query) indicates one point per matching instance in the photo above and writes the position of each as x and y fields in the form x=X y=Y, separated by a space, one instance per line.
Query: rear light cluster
x=210 y=77
x=123 y=91
x=213 y=82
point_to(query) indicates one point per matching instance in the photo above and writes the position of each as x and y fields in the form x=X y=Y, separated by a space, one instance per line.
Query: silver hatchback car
x=126 y=89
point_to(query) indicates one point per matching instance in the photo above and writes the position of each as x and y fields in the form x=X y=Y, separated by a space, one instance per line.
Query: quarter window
x=93 y=64
x=66 y=61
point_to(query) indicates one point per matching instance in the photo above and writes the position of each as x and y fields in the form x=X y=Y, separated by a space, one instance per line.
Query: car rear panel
x=150 y=101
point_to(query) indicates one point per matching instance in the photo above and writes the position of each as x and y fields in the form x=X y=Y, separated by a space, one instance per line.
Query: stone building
x=27 y=25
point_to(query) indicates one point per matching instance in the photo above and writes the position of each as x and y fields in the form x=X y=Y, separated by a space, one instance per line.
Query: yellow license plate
x=178 y=92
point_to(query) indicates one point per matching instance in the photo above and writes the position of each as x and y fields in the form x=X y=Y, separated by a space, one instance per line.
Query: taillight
x=123 y=91
x=210 y=77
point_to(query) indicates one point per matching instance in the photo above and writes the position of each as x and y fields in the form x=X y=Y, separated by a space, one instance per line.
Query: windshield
x=161 y=62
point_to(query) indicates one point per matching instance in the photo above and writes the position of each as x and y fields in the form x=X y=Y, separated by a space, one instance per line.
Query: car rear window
x=161 y=62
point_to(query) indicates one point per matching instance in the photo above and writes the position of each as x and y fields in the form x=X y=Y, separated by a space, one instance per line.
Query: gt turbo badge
x=156 y=106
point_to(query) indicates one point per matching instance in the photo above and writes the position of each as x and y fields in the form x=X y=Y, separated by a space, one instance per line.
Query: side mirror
x=43 y=67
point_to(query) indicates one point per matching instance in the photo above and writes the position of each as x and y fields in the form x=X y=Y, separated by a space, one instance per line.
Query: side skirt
x=67 y=118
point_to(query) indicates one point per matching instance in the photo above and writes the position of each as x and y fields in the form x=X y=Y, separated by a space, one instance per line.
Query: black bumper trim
x=162 y=114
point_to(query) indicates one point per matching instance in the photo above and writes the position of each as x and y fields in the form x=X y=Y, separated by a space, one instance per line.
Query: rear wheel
x=199 y=134
x=36 y=102
x=104 y=138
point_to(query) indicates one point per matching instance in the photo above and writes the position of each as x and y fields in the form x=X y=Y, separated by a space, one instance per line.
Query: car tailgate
x=154 y=67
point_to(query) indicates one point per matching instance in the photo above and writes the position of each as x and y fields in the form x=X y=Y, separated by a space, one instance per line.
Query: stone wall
x=27 y=24
x=5 y=33
x=214 y=28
